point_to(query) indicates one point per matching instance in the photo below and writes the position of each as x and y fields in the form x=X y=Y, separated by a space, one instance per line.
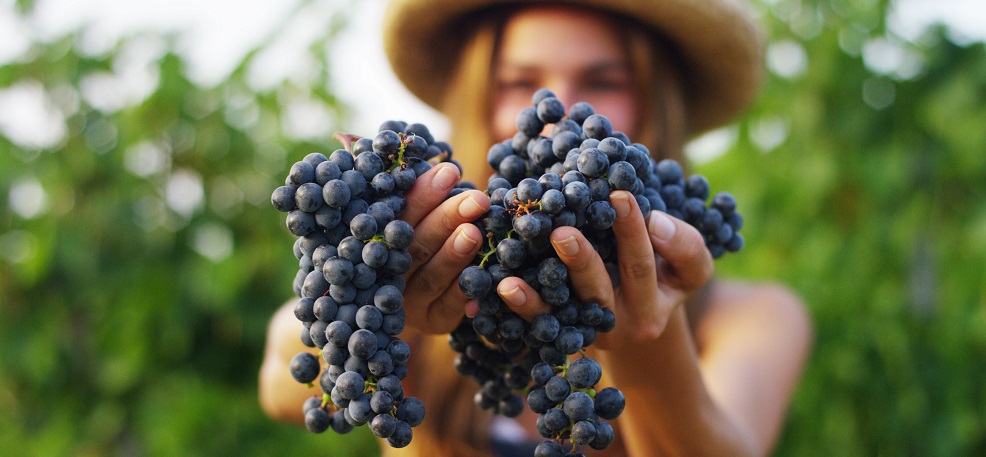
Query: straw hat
x=720 y=43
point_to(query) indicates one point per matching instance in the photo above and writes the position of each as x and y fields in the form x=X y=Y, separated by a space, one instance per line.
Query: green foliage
x=133 y=324
x=134 y=297
x=875 y=216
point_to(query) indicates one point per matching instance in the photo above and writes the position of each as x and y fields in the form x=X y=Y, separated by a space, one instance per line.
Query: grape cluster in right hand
x=542 y=183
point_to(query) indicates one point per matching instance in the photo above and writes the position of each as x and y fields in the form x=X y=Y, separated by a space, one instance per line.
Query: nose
x=565 y=91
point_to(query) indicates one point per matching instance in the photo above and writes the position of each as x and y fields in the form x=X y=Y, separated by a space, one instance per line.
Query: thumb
x=685 y=261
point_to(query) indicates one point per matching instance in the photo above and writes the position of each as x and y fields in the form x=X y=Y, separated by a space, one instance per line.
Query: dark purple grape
x=550 y=110
x=398 y=234
x=402 y=435
x=597 y=126
x=302 y=172
x=580 y=111
x=510 y=253
x=388 y=299
x=584 y=373
x=609 y=403
x=578 y=406
x=317 y=420
x=600 y=215
x=545 y=328
x=336 y=193
x=549 y=449
x=577 y=195
x=528 y=123
x=475 y=282
x=386 y=142
x=342 y=158
x=569 y=340
x=283 y=198
x=411 y=410
x=304 y=367
x=593 y=163
x=421 y=130
x=540 y=95
x=556 y=419
x=383 y=425
x=621 y=175
x=583 y=432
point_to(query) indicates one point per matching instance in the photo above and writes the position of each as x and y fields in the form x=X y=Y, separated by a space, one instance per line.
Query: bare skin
x=721 y=390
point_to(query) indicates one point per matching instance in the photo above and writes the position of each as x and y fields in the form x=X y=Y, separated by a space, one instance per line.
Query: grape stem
x=524 y=207
x=381 y=239
x=347 y=140
x=399 y=161
x=487 y=254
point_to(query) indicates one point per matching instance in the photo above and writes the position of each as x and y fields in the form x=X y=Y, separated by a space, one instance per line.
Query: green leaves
x=140 y=262
x=875 y=217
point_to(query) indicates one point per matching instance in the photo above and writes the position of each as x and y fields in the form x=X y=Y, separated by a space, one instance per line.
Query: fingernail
x=445 y=178
x=463 y=244
x=470 y=208
x=621 y=203
x=660 y=226
x=515 y=297
x=569 y=246
x=471 y=309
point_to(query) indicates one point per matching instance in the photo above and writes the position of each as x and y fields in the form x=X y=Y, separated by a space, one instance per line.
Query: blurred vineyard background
x=140 y=258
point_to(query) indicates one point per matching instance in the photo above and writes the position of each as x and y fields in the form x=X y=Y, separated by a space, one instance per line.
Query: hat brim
x=719 y=43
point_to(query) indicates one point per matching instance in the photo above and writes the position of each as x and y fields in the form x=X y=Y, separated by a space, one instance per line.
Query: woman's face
x=575 y=53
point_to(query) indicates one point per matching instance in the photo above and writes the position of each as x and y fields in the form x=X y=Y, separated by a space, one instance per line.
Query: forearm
x=279 y=394
x=668 y=410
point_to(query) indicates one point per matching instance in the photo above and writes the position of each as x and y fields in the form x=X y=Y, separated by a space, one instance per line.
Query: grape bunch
x=352 y=253
x=541 y=183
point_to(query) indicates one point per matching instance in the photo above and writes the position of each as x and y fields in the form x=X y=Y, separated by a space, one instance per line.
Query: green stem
x=400 y=154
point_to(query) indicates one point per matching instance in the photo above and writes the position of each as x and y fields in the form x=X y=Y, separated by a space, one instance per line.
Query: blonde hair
x=468 y=103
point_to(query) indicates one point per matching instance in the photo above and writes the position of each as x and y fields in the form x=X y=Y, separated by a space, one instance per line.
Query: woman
x=707 y=367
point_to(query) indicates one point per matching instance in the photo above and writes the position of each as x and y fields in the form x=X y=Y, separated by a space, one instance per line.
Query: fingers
x=521 y=298
x=585 y=268
x=586 y=272
x=445 y=242
x=432 y=232
x=638 y=269
x=433 y=300
x=685 y=261
x=428 y=192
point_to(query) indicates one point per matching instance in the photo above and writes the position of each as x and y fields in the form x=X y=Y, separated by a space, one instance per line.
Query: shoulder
x=753 y=340
x=738 y=312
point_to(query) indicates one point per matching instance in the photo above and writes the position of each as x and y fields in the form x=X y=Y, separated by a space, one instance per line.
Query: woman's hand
x=445 y=243
x=660 y=260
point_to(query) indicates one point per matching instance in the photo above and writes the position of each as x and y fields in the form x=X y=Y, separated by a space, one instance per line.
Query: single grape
x=304 y=367
x=475 y=282
x=317 y=420
x=578 y=406
x=584 y=373
x=550 y=110
x=609 y=403
x=283 y=198
x=583 y=432
x=402 y=435
x=411 y=410
x=597 y=126
x=302 y=172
